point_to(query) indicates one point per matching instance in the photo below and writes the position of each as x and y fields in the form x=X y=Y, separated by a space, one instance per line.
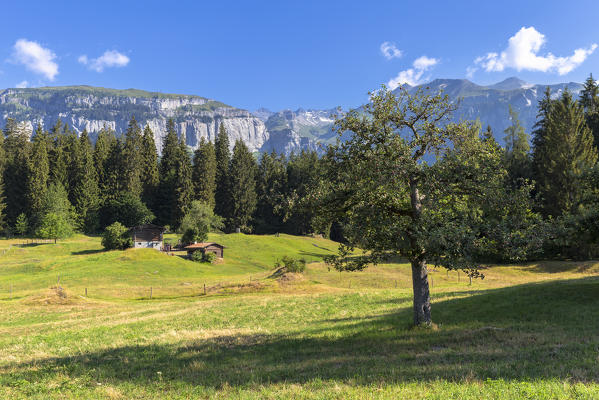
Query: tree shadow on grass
x=538 y=331
x=87 y=252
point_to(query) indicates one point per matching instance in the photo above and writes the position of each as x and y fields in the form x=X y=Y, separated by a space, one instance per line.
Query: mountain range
x=286 y=131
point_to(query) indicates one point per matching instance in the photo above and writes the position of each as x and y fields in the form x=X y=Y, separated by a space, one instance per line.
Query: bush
x=193 y=234
x=292 y=264
x=205 y=257
x=208 y=257
x=116 y=237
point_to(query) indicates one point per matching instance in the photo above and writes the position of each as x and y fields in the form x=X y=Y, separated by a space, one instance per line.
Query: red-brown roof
x=203 y=245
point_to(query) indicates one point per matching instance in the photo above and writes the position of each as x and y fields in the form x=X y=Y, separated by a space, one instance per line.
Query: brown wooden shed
x=214 y=248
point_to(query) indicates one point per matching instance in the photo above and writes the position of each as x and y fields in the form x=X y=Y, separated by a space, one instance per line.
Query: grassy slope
x=523 y=332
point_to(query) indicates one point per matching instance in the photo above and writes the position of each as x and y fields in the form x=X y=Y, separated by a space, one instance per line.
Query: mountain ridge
x=285 y=131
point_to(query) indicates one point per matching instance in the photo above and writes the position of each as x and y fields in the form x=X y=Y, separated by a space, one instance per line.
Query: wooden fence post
x=85 y=292
x=150 y=292
x=204 y=289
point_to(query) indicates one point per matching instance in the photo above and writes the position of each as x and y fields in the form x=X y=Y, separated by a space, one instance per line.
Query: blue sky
x=280 y=54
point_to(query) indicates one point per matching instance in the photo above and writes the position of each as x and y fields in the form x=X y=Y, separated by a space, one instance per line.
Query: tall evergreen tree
x=102 y=149
x=149 y=168
x=270 y=188
x=303 y=171
x=17 y=148
x=517 y=148
x=86 y=199
x=133 y=158
x=204 y=172
x=222 y=195
x=39 y=173
x=589 y=99
x=184 y=184
x=243 y=187
x=166 y=195
x=567 y=150
x=57 y=156
x=114 y=185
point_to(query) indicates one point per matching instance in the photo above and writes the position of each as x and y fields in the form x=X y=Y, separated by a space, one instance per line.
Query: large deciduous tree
x=408 y=182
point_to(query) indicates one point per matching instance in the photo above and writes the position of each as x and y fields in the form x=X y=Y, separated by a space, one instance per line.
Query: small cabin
x=214 y=248
x=147 y=236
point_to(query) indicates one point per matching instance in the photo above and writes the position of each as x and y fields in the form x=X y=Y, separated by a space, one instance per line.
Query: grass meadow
x=524 y=332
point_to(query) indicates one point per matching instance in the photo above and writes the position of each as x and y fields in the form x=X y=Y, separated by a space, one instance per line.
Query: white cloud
x=390 y=51
x=22 y=84
x=110 y=58
x=522 y=53
x=413 y=76
x=470 y=72
x=424 y=63
x=35 y=58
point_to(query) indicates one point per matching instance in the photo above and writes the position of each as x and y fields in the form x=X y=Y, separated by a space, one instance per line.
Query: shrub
x=292 y=264
x=116 y=237
x=205 y=257
x=208 y=257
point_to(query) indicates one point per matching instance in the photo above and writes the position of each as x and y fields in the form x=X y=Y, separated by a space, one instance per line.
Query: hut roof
x=203 y=245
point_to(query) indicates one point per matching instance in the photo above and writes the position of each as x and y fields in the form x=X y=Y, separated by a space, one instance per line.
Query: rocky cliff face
x=93 y=108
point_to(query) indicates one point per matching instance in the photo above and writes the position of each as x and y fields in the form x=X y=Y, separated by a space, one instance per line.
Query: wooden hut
x=147 y=236
x=214 y=248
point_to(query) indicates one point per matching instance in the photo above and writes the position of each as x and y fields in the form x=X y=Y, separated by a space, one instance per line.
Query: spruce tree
x=517 y=148
x=539 y=153
x=132 y=159
x=567 y=151
x=17 y=148
x=102 y=149
x=243 y=188
x=114 y=185
x=270 y=188
x=149 y=168
x=166 y=212
x=589 y=99
x=223 y=158
x=184 y=184
x=39 y=173
x=86 y=199
x=204 y=173
x=57 y=156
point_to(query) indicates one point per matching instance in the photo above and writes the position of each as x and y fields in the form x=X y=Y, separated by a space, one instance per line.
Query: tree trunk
x=422 y=296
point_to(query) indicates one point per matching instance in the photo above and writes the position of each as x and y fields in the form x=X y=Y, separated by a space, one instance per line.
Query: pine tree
x=589 y=99
x=243 y=188
x=149 y=168
x=166 y=213
x=114 y=185
x=39 y=173
x=222 y=194
x=517 y=148
x=204 y=172
x=17 y=147
x=57 y=156
x=102 y=149
x=270 y=188
x=184 y=184
x=132 y=159
x=567 y=150
x=86 y=199
x=539 y=153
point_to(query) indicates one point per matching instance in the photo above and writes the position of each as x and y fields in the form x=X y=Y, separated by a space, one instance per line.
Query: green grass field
x=528 y=331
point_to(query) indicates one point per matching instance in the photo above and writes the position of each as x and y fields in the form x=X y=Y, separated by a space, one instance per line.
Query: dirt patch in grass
x=56 y=295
